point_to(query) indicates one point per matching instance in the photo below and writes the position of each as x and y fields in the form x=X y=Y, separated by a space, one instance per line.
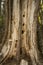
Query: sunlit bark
x=22 y=39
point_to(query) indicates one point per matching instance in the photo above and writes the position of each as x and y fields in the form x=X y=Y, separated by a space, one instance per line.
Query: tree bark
x=23 y=33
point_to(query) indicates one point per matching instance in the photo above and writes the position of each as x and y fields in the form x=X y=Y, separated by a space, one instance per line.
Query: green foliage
x=40 y=13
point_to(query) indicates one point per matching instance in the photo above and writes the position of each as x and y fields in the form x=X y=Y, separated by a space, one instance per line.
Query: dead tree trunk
x=23 y=39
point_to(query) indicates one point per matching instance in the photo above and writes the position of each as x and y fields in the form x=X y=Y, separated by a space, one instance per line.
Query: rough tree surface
x=22 y=43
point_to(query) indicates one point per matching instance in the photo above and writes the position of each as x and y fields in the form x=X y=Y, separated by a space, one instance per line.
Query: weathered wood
x=22 y=37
